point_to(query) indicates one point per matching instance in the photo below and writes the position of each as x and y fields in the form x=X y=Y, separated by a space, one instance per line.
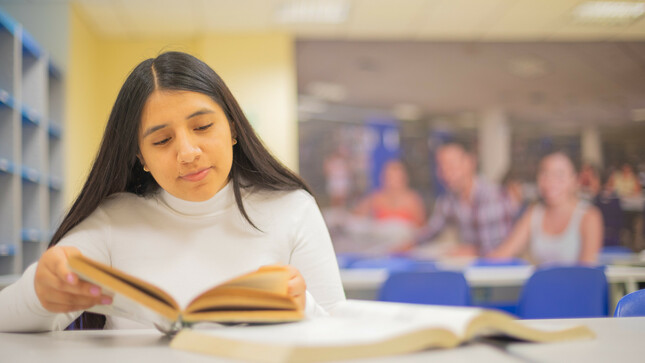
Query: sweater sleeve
x=20 y=308
x=313 y=255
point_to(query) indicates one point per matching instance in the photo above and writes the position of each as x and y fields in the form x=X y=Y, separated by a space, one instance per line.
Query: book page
x=454 y=319
x=322 y=331
x=126 y=308
x=270 y=279
x=316 y=340
x=116 y=283
x=236 y=298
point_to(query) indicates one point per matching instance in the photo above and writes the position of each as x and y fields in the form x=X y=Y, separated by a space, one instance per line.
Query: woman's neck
x=564 y=206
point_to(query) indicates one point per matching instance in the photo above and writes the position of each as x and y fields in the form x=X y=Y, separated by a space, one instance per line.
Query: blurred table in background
x=365 y=283
x=633 y=222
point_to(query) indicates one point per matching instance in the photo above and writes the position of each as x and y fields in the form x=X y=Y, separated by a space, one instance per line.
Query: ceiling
x=527 y=57
x=601 y=82
x=473 y=20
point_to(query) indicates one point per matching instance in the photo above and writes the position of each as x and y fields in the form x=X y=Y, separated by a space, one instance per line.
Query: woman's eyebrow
x=152 y=129
x=202 y=111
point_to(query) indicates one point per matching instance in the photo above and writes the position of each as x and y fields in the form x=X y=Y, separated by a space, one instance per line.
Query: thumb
x=62 y=268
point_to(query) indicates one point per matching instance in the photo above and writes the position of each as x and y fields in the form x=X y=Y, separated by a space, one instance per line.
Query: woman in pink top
x=395 y=200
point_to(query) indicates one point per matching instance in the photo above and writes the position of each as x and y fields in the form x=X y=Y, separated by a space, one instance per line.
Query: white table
x=618 y=340
x=633 y=204
x=365 y=283
x=489 y=276
x=112 y=346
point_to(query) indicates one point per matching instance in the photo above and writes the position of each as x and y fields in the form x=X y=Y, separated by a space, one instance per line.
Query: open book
x=363 y=329
x=256 y=297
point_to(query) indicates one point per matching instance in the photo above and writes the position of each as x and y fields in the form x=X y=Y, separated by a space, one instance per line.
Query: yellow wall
x=83 y=125
x=259 y=69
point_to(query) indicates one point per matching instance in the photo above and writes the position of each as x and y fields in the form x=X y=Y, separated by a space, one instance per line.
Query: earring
x=145 y=168
x=234 y=141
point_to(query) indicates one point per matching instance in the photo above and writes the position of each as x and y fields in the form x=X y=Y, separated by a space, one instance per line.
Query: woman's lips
x=195 y=177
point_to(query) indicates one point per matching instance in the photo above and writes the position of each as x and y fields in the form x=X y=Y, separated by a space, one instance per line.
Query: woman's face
x=556 y=179
x=185 y=141
x=394 y=176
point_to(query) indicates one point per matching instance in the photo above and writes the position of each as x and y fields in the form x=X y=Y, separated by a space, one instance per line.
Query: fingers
x=59 y=289
x=64 y=298
x=57 y=301
x=296 y=287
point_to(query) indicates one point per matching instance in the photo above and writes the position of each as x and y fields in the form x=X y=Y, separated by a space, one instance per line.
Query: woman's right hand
x=60 y=290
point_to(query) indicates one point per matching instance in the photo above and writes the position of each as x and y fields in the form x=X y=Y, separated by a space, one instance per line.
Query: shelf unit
x=31 y=148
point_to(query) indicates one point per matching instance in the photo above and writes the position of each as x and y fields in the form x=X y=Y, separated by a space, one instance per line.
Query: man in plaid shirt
x=482 y=212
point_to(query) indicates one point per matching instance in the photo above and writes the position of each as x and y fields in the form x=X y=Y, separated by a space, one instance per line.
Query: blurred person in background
x=562 y=229
x=608 y=203
x=514 y=191
x=641 y=176
x=589 y=181
x=481 y=210
x=338 y=177
x=395 y=200
x=625 y=182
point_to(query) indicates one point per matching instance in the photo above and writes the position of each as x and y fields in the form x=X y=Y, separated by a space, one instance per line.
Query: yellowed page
x=314 y=340
x=115 y=282
x=231 y=298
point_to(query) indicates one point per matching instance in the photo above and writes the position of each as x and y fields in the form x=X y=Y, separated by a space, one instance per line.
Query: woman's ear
x=143 y=163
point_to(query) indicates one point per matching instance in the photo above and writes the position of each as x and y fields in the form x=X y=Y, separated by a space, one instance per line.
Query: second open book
x=363 y=329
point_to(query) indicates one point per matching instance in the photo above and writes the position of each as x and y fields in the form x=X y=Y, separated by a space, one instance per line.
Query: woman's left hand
x=297 y=287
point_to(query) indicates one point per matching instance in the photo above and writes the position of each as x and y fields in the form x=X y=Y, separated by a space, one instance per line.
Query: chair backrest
x=345 y=260
x=617 y=250
x=482 y=262
x=564 y=292
x=426 y=287
x=631 y=305
x=389 y=263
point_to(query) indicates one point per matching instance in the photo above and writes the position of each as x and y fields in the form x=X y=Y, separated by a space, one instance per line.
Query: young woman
x=562 y=229
x=395 y=200
x=184 y=195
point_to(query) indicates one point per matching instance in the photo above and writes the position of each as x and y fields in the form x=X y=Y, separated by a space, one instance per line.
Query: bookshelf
x=31 y=148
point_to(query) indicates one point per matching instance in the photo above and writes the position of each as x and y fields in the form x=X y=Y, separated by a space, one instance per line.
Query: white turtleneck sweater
x=187 y=247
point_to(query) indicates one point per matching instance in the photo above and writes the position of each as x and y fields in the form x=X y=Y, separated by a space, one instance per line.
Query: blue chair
x=631 y=305
x=389 y=263
x=617 y=250
x=564 y=292
x=345 y=260
x=494 y=262
x=426 y=287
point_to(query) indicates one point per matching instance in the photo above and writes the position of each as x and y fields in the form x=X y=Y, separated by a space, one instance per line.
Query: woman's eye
x=162 y=142
x=202 y=128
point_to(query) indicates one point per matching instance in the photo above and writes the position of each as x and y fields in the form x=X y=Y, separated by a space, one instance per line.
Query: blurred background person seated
x=513 y=188
x=385 y=218
x=608 y=203
x=589 y=181
x=482 y=212
x=562 y=229
x=338 y=177
x=395 y=200
x=625 y=182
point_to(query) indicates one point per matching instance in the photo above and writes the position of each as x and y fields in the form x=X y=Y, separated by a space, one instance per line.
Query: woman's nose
x=188 y=151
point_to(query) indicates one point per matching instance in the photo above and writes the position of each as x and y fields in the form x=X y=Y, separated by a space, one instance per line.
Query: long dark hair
x=117 y=168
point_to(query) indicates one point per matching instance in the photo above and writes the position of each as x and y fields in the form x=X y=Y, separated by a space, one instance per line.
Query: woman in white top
x=182 y=194
x=562 y=229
